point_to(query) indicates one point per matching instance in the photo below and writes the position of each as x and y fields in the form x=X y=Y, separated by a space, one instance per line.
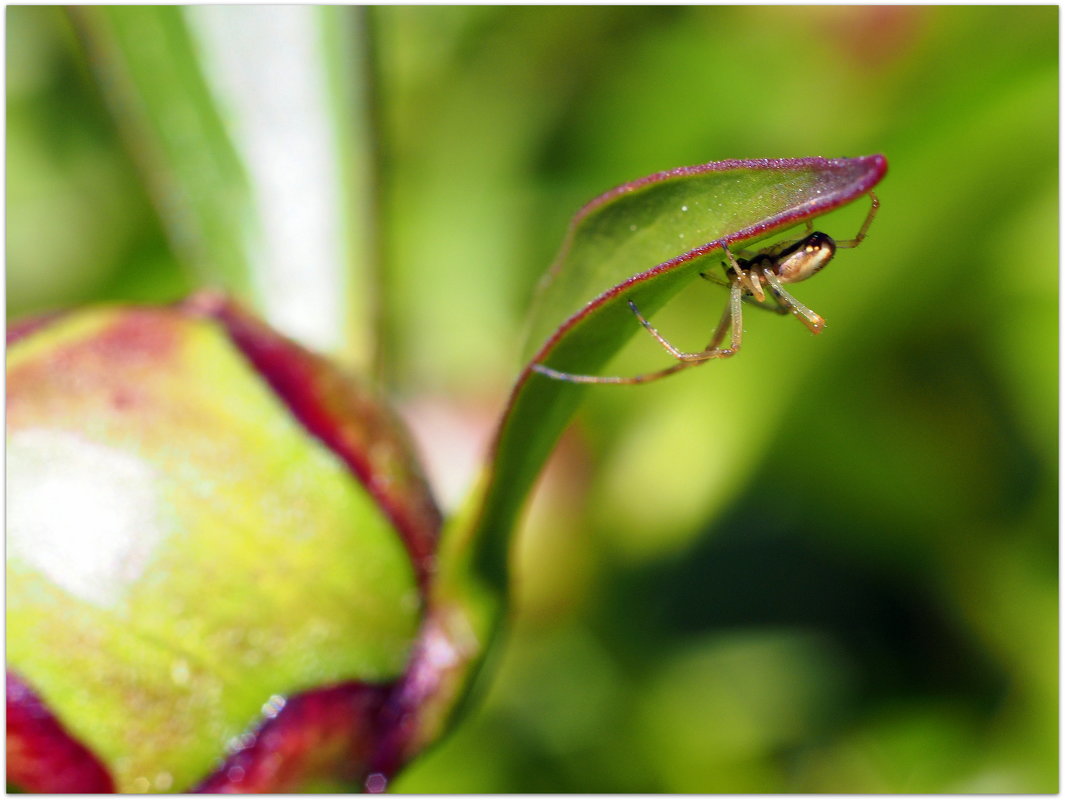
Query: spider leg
x=731 y=322
x=853 y=243
x=815 y=322
x=847 y=243
x=746 y=277
x=771 y=306
x=713 y=279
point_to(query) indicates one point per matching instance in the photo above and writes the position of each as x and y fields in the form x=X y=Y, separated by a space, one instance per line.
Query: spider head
x=805 y=258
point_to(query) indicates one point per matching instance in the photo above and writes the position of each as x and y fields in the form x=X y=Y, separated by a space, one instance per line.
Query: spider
x=746 y=278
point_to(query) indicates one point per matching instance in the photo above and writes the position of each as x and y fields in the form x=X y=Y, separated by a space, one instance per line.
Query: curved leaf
x=648 y=237
x=644 y=241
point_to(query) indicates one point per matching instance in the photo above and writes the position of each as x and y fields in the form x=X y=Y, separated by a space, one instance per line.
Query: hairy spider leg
x=731 y=321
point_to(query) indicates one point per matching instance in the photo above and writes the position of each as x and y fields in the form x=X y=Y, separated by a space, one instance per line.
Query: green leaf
x=149 y=70
x=251 y=127
x=644 y=241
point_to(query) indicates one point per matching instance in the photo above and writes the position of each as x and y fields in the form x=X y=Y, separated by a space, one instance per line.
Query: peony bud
x=218 y=553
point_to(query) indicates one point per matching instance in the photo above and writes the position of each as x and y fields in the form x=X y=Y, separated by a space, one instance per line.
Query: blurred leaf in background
x=852 y=585
x=79 y=224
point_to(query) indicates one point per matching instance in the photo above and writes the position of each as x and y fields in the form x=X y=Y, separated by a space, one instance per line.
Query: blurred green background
x=827 y=565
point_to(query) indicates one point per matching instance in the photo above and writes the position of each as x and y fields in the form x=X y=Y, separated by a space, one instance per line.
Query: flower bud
x=218 y=552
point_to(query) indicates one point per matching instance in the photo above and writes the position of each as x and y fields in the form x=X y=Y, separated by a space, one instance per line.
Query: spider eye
x=817 y=240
